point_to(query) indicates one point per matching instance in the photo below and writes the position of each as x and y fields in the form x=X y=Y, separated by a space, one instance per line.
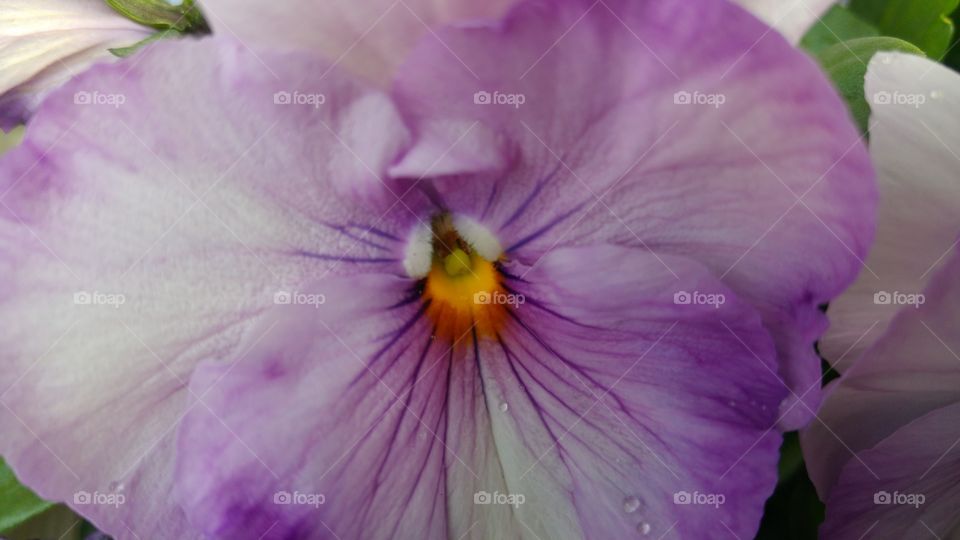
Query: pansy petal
x=604 y=408
x=598 y=372
x=700 y=133
x=914 y=143
x=145 y=228
x=792 y=18
x=45 y=42
x=911 y=370
x=369 y=38
x=906 y=486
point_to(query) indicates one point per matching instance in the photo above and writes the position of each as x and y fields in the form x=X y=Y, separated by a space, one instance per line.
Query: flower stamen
x=461 y=286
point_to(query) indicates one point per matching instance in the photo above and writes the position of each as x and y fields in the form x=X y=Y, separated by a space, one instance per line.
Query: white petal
x=45 y=42
x=791 y=17
x=915 y=143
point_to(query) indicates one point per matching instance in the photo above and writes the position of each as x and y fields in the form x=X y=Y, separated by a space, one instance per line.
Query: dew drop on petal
x=643 y=528
x=631 y=504
x=504 y=407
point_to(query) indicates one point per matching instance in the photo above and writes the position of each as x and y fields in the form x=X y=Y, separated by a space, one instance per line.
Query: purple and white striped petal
x=603 y=409
x=701 y=133
x=145 y=228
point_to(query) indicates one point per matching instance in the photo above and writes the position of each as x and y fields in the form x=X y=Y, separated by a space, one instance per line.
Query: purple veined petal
x=913 y=141
x=605 y=408
x=792 y=18
x=368 y=38
x=145 y=228
x=701 y=133
x=909 y=372
x=904 y=487
x=45 y=42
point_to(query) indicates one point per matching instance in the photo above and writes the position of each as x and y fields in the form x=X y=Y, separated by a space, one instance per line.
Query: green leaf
x=185 y=18
x=952 y=59
x=17 y=503
x=925 y=23
x=846 y=64
x=838 y=24
x=124 y=52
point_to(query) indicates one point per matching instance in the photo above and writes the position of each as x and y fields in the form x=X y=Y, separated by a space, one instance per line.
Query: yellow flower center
x=462 y=289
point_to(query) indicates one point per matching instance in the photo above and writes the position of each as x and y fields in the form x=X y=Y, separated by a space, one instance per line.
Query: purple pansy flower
x=562 y=281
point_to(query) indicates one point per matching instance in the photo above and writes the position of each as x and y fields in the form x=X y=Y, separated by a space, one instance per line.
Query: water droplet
x=631 y=504
x=504 y=407
x=643 y=528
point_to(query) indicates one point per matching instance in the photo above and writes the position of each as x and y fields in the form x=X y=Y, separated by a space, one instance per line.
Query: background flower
x=912 y=143
x=791 y=17
x=45 y=42
x=886 y=431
